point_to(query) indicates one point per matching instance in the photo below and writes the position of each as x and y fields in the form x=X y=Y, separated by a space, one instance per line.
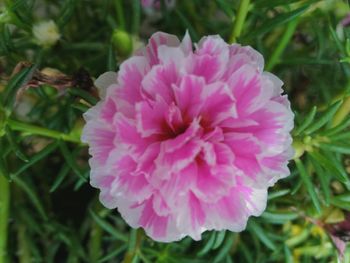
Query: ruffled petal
x=156 y=40
x=187 y=140
x=104 y=81
x=210 y=58
x=100 y=137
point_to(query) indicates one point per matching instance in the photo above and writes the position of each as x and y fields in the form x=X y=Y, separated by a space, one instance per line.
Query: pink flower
x=187 y=141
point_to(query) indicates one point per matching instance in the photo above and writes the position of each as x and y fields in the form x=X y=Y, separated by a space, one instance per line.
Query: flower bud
x=122 y=43
x=46 y=33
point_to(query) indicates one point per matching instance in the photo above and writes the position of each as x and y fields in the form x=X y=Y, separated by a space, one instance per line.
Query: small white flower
x=46 y=33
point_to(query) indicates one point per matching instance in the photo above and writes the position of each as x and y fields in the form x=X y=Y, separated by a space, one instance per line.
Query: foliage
x=48 y=211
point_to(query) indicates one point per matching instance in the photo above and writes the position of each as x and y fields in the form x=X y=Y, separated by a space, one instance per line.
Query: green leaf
x=111 y=60
x=337 y=129
x=336 y=159
x=84 y=95
x=208 y=245
x=219 y=239
x=20 y=15
x=113 y=254
x=255 y=229
x=15 y=83
x=225 y=248
x=288 y=255
x=70 y=159
x=31 y=193
x=25 y=216
x=278 y=194
x=339 y=137
x=14 y=146
x=305 y=61
x=66 y=13
x=37 y=157
x=324 y=180
x=80 y=106
x=246 y=252
x=5 y=202
x=60 y=177
x=132 y=239
x=343 y=148
x=107 y=227
x=278 y=20
x=341 y=201
x=6 y=43
x=278 y=217
x=308 y=184
x=274 y=3
x=51 y=253
x=296 y=186
x=135 y=259
x=81 y=181
x=307 y=121
x=136 y=10
x=3 y=163
x=187 y=24
x=337 y=41
x=330 y=166
x=226 y=7
x=326 y=117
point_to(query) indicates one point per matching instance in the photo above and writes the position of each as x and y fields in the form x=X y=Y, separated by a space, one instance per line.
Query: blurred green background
x=50 y=53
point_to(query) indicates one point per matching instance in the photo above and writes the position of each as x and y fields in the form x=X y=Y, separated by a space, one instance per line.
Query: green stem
x=239 y=21
x=275 y=57
x=136 y=8
x=120 y=14
x=4 y=216
x=23 y=248
x=342 y=112
x=95 y=242
x=36 y=130
x=135 y=241
x=95 y=238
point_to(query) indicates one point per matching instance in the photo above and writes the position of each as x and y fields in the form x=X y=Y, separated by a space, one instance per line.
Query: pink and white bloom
x=185 y=141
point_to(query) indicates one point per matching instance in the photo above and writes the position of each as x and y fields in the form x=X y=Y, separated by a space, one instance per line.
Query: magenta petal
x=128 y=135
x=246 y=150
x=219 y=104
x=108 y=110
x=130 y=184
x=255 y=58
x=159 y=81
x=156 y=40
x=173 y=118
x=101 y=140
x=154 y=224
x=176 y=160
x=248 y=91
x=191 y=216
x=150 y=117
x=189 y=96
x=210 y=59
x=213 y=182
x=186 y=44
x=130 y=77
x=181 y=140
